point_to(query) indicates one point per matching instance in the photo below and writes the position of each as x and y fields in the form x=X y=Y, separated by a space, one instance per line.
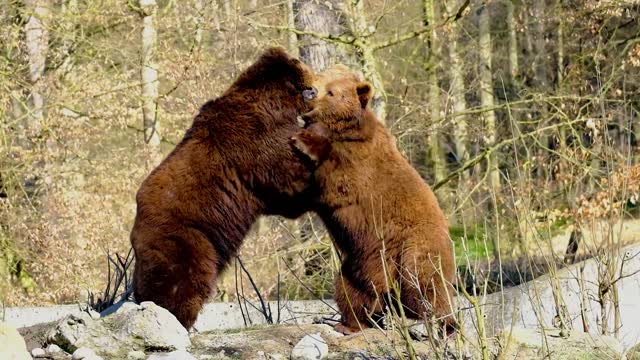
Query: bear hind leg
x=357 y=308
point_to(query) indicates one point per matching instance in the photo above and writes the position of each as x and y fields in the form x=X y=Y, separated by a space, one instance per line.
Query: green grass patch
x=470 y=242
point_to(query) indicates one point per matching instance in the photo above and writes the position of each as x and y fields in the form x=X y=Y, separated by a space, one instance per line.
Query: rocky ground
x=148 y=332
x=519 y=323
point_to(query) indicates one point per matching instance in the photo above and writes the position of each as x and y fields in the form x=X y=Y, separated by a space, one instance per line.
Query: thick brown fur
x=234 y=164
x=384 y=219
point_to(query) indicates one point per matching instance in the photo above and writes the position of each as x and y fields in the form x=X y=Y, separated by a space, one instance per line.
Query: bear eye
x=330 y=93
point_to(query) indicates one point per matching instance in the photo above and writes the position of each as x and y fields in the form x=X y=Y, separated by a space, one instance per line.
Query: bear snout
x=310 y=93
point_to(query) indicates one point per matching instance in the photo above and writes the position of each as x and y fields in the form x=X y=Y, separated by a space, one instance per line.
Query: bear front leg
x=176 y=272
x=313 y=142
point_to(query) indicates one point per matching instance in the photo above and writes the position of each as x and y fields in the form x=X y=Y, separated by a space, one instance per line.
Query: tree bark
x=560 y=35
x=227 y=6
x=487 y=102
x=149 y=74
x=292 y=38
x=37 y=45
x=199 y=20
x=513 y=40
x=486 y=94
x=434 y=137
x=540 y=59
x=323 y=18
x=458 y=103
x=360 y=30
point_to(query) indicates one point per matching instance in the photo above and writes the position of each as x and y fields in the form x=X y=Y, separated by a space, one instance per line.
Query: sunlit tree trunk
x=542 y=84
x=540 y=57
x=560 y=35
x=458 y=102
x=149 y=74
x=360 y=30
x=486 y=93
x=292 y=38
x=513 y=40
x=434 y=138
x=227 y=8
x=37 y=46
x=487 y=103
x=70 y=11
x=199 y=20
x=322 y=18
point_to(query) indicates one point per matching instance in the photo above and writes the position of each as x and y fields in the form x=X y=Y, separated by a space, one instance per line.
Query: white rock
x=174 y=355
x=83 y=353
x=136 y=355
x=53 y=348
x=127 y=306
x=156 y=326
x=131 y=327
x=12 y=345
x=37 y=352
x=311 y=347
x=94 y=314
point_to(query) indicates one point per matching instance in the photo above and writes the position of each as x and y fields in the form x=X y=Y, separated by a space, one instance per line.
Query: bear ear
x=365 y=91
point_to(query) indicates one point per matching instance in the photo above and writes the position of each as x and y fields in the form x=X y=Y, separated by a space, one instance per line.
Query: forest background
x=523 y=115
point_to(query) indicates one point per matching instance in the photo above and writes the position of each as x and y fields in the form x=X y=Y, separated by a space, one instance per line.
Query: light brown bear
x=384 y=219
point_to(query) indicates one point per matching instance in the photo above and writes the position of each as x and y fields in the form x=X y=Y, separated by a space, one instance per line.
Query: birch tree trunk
x=199 y=20
x=458 y=103
x=560 y=35
x=70 y=11
x=540 y=57
x=227 y=9
x=149 y=73
x=489 y=118
x=434 y=138
x=513 y=40
x=37 y=45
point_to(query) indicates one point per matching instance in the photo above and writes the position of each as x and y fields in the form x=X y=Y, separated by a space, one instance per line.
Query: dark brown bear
x=234 y=164
x=384 y=219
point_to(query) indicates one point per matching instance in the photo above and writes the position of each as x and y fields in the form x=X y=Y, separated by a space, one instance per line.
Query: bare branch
x=336 y=39
x=472 y=162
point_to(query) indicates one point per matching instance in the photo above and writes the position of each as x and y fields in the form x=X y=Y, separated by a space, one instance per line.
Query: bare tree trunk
x=434 y=137
x=227 y=6
x=458 y=102
x=487 y=103
x=37 y=45
x=486 y=93
x=513 y=40
x=360 y=30
x=199 y=20
x=69 y=11
x=149 y=75
x=560 y=34
x=292 y=38
x=540 y=63
x=323 y=18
